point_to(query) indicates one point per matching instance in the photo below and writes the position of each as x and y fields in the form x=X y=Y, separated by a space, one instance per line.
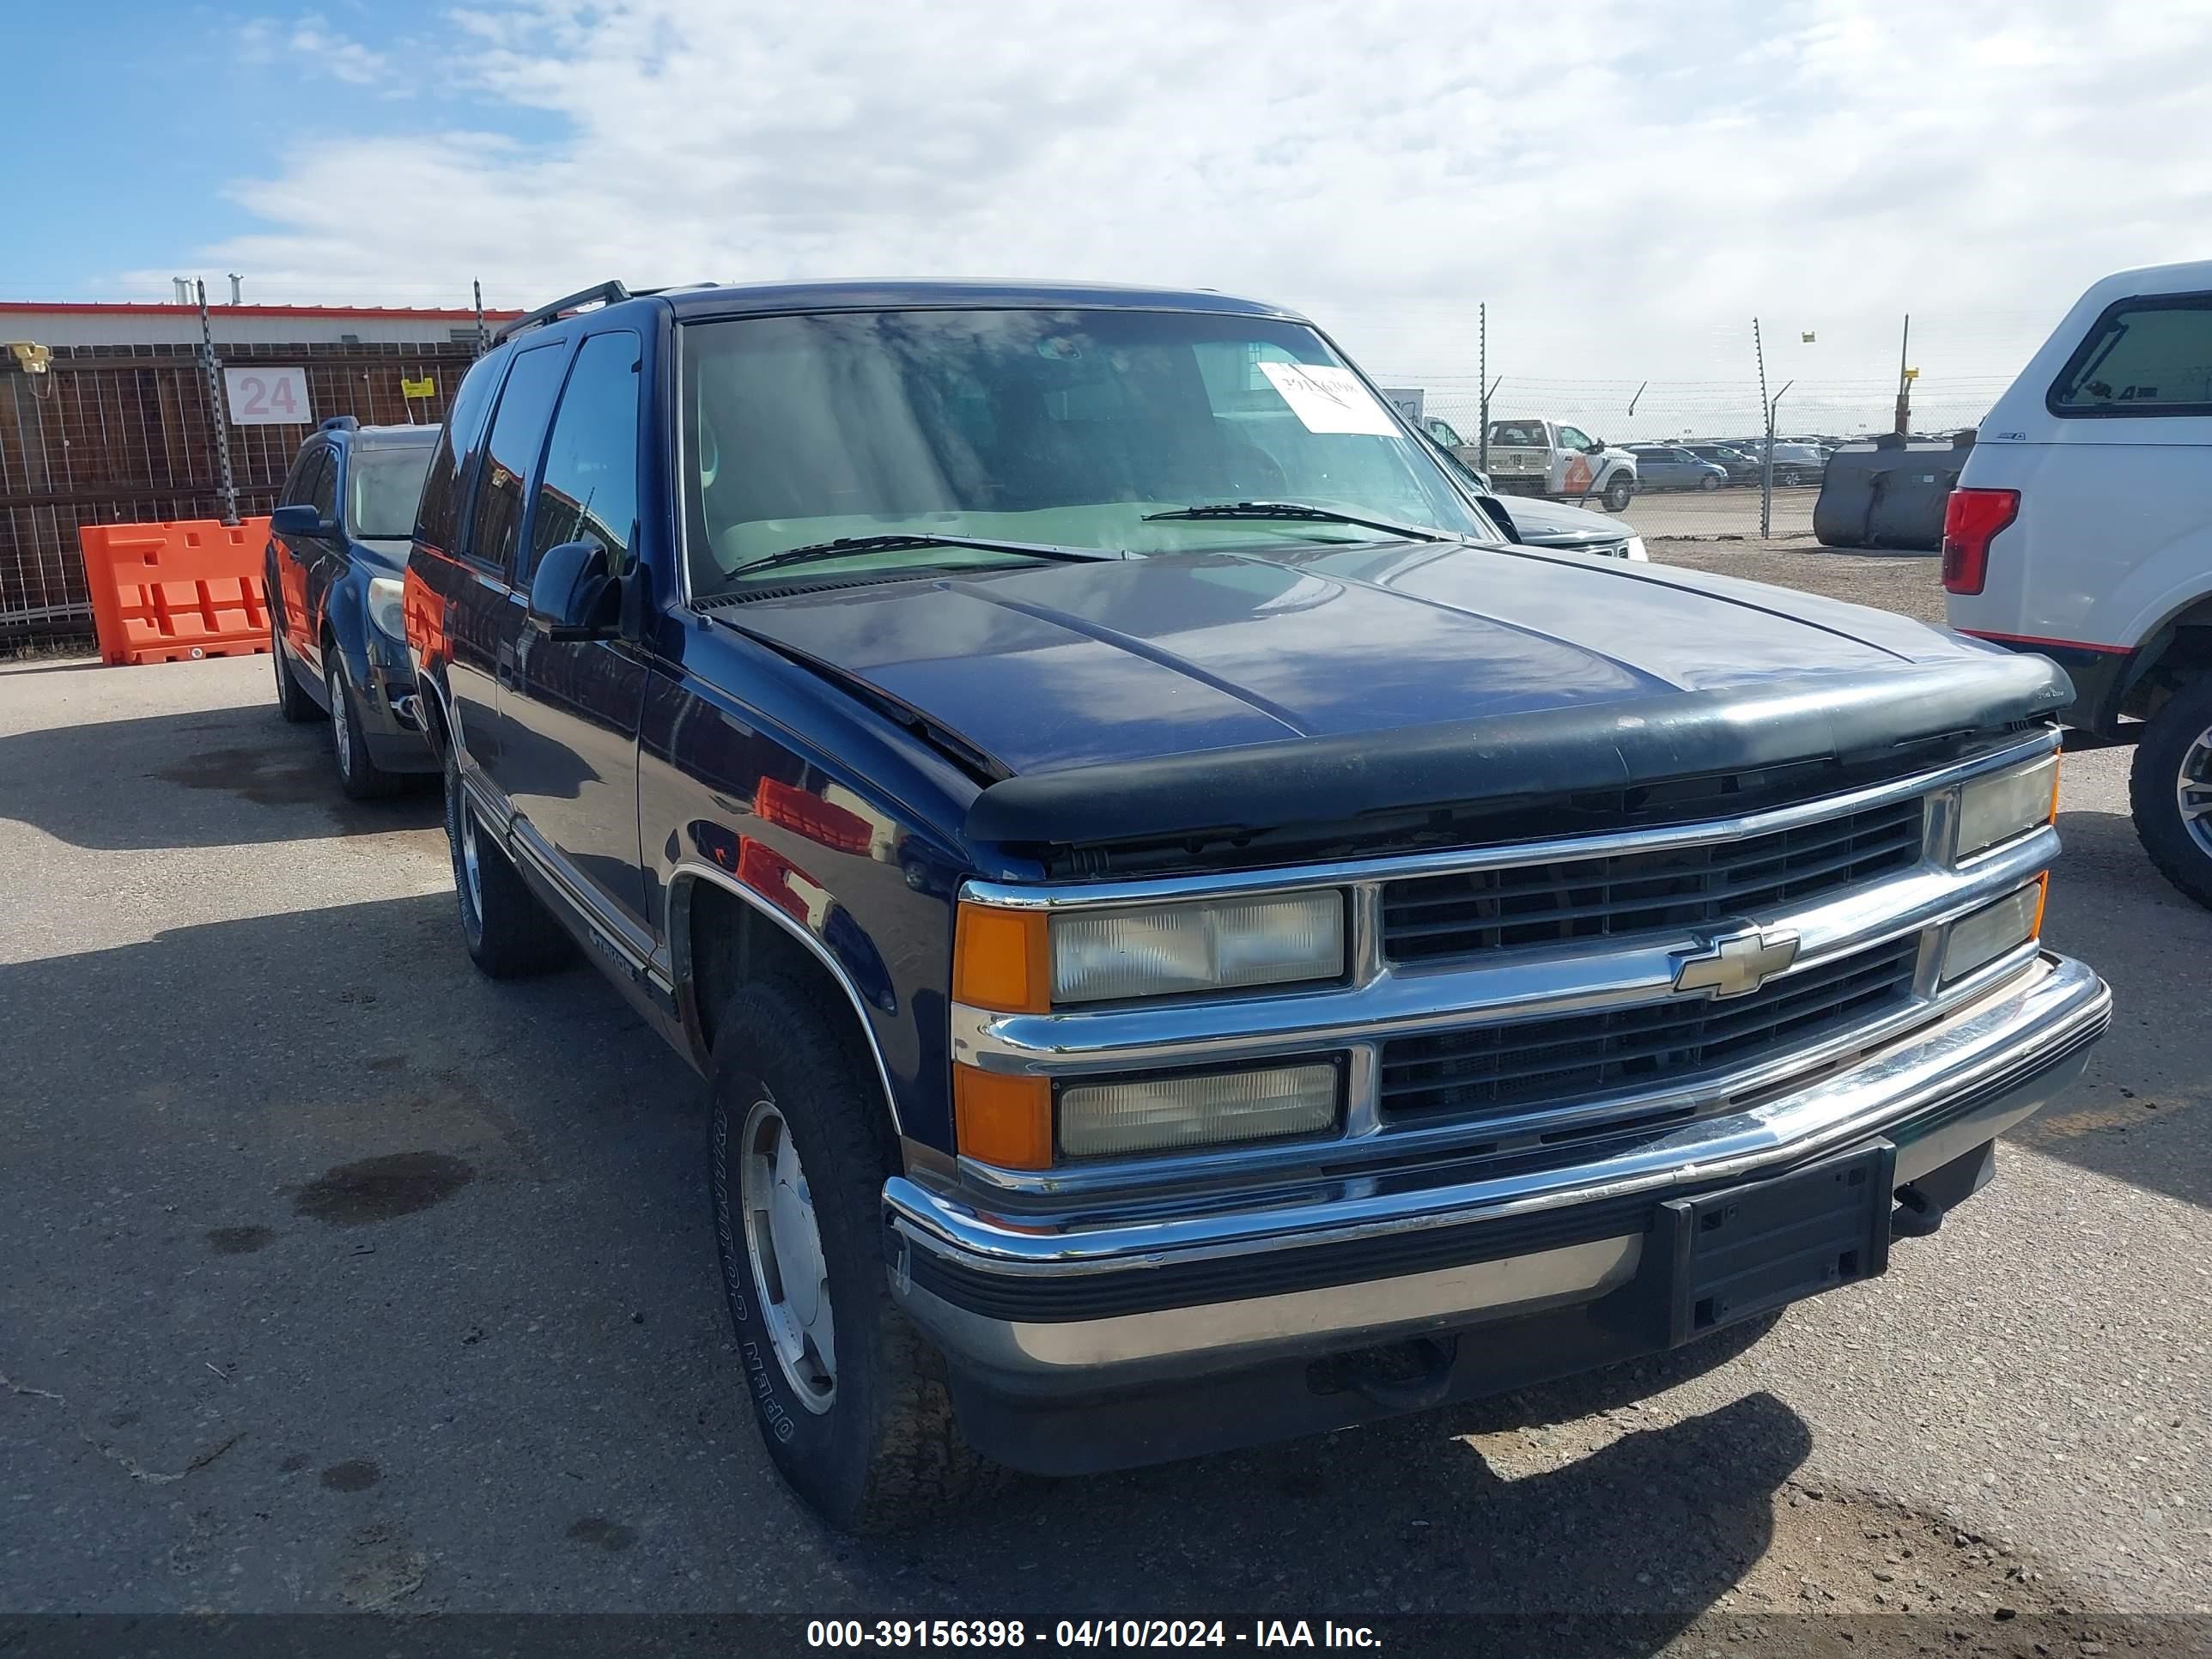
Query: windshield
x=1067 y=427
x=382 y=487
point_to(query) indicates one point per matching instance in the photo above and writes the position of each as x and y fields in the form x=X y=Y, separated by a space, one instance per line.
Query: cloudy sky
x=1626 y=185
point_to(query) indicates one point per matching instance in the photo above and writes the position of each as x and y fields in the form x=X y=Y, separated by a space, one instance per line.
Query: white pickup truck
x=1543 y=458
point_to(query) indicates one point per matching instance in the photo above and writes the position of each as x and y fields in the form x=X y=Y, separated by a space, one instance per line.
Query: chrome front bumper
x=1084 y=1302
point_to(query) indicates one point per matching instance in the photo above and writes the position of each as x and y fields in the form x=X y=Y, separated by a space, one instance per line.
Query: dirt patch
x=1910 y=584
x=355 y=1474
x=265 y=776
x=602 y=1534
x=378 y=1567
x=239 y=1241
x=380 y=1188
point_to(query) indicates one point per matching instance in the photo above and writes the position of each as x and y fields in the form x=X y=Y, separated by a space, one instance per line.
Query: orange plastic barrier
x=165 y=592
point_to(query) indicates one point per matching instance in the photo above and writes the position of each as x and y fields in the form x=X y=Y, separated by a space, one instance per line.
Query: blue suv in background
x=337 y=548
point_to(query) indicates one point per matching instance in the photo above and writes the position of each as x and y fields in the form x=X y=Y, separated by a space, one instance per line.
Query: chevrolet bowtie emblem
x=1737 y=964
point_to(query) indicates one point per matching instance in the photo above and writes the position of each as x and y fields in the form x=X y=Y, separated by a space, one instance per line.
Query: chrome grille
x=1573 y=1059
x=1666 y=888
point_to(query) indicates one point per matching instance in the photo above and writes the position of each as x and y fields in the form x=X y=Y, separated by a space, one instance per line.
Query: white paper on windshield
x=1330 y=399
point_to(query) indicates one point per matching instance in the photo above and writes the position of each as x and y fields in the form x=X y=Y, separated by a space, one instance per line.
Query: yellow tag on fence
x=425 y=387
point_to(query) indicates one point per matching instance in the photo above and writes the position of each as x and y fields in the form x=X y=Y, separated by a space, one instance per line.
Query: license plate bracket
x=1744 y=1251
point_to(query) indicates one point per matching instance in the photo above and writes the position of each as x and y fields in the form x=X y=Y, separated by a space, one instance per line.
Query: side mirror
x=1595 y=446
x=300 y=519
x=573 y=597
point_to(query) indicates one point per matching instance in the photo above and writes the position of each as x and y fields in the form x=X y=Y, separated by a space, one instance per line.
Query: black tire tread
x=921 y=1466
x=2151 y=775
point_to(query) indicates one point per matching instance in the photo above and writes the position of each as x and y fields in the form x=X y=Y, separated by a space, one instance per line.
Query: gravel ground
x=336 y=1276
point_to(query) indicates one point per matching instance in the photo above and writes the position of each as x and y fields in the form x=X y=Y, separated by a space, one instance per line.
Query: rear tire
x=1618 y=492
x=510 y=935
x=2171 y=780
x=293 y=702
x=359 y=775
x=851 y=1398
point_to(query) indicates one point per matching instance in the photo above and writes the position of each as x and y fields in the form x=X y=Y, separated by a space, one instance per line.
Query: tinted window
x=322 y=487
x=439 y=516
x=518 y=431
x=299 y=479
x=589 y=489
x=2149 y=356
x=1517 y=435
x=383 y=487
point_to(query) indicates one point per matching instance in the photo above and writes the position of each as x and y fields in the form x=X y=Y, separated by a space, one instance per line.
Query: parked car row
x=1192 y=935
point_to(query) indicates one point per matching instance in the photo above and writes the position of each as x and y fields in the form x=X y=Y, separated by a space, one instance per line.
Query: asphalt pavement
x=335 y=1277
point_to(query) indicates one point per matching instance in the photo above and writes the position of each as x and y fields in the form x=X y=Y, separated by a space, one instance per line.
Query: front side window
x=1067 y=427
x=589 y=488
x=382 y=488
x=1573 y=438
x=518 y=432
x=322 y=487
x=2147 y=356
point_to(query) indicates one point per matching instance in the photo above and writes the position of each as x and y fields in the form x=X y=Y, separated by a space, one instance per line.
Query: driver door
x=1574 y=473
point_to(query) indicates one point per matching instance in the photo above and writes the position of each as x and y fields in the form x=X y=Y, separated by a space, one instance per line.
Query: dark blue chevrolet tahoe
x=1192 y=940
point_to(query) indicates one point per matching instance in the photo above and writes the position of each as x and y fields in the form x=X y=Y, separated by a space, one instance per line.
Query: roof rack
x=609 y=293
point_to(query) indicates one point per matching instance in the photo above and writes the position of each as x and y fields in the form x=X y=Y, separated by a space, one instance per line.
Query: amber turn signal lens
x=2042 y=898
x=1000 y=1120
x=1001 y=960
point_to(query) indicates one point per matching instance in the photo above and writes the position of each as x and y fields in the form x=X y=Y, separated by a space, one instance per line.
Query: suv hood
x=1355 y=655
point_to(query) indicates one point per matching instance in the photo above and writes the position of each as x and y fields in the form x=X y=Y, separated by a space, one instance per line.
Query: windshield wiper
x=1299 y=510
x=845 y=546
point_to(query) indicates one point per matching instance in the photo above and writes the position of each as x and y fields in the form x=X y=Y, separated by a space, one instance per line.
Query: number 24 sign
x=267 y=397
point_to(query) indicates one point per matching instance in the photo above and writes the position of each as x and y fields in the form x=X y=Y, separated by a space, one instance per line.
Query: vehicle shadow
x=2143 y=1112
x=176 y=780
x=380 y=1217
x=1413 y=1516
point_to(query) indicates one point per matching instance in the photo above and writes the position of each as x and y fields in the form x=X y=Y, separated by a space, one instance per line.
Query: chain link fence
x=1702 y=424
x=127 y=434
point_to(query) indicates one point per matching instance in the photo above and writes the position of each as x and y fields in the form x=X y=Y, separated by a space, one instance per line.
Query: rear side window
x=589 y=488
x=518 y=432
x=438 y=518
x=2147 y=356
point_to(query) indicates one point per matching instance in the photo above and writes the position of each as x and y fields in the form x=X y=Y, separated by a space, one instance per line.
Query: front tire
x=1709 y=482
x=851 y=1398
x=359 y=775
x=1618 y=492
x=509 y=934
x=2170 y=789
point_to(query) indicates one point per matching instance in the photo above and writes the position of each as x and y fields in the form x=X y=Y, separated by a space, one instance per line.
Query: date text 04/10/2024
x=1085 y=1633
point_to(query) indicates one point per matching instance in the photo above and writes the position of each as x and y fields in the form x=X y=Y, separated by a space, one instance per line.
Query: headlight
x=387 y=607
x=2007 y=804
x=1103 y=1120
x=1980 y=938
x=1161 y=950
x=1635 y=550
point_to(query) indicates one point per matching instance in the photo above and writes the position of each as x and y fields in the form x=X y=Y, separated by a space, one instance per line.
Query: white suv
x=2081 y=528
